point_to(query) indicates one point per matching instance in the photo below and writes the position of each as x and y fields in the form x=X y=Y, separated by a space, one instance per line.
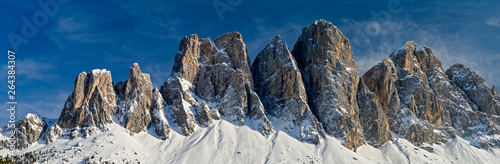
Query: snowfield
x=224 y=142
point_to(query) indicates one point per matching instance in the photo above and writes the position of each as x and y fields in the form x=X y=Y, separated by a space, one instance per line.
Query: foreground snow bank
x=223 y=142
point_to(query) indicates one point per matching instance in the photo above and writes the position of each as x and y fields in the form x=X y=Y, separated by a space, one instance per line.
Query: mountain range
x=309 y=104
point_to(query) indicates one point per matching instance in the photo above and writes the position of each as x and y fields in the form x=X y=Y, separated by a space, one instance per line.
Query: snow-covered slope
x=224 y=142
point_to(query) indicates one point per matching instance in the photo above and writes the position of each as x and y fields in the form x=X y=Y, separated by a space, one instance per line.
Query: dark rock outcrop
x=475 y=88
x=372 y=118
x=134 y=100
x=494 y=91
x=203 y=114
x=278 y=82
x=158 y=118
x=331 y=79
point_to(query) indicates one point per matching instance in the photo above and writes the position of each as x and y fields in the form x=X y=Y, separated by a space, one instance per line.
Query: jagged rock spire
x=162 y=128
x=278 y=82
x=92 y=103
x=434 y=106
x=218 y=74
x=475 y=88
x=331 y=79
x=28 y=130
x=135 y=96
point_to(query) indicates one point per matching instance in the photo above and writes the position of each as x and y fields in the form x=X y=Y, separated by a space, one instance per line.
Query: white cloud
x=493 y=21
x=69 y=24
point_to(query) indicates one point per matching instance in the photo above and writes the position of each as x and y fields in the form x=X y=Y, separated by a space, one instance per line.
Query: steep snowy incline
x=225 y=142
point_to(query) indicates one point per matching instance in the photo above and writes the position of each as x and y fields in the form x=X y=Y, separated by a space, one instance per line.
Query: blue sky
x=86 y=35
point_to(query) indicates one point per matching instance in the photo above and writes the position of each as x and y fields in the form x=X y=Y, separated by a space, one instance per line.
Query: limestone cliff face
x=331 y=79
x=413 y=86
x=158 y=118
x=278 y=82
x=217 y=73
x=134 y=100
x=401 y=83
x=427 y=105
x=381 y=79
x=88 y=109
x=372 y=118
x=475 y=88
x=92 y=103
x=482 y=119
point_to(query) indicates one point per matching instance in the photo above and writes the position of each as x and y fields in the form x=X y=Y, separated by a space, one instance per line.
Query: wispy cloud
x=383 y=38
x=29 y=70
x=48 y=105
x=69 y=24
x=34 y=70
x=493 y=21
x=372 y=41
x=289 y=30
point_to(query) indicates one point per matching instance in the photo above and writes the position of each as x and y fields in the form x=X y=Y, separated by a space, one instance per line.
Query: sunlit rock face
x=216 y=73
x=92 y=103
x=331 y=79
x=134 y=100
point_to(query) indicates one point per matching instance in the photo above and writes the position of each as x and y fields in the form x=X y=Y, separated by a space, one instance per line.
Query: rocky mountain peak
x=421 y=98
x=402 y=84
x=28 y=130
x=440 y=105
x=331 y=79
x=278 y=82
x=216 y=73
x=92 y=103
x=475 y=88
x=134 y=100
x=158 y=117
x=328 y=39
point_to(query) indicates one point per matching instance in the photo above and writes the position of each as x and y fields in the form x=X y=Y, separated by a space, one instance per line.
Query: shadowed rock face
x=413 y=86
x=475 y=88
x=381 y=79
x=482 y=119
x=28 y=130
x=135 y=96
x=372 y=118
x=178 y=97
x=162 y=128
x=216 y=73
x=494 y=91
x=278 y=83
x=331 y=78
x=92 y=103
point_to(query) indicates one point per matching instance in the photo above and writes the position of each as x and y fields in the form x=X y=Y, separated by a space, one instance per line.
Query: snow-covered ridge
x=224 y=142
